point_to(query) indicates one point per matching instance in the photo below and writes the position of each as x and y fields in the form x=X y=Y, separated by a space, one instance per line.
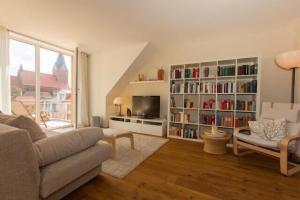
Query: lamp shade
x=288 y=60
x=118 y=101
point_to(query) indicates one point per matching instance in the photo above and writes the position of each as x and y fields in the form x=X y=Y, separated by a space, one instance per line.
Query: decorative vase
x=160 y=74
x=128 y=112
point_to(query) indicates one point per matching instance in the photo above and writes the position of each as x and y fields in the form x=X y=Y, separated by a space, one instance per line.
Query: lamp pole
x=293 y=85
x=120 y=113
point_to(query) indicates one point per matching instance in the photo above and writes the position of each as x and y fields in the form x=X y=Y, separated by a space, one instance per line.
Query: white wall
x=106 y=69
x=275 y=82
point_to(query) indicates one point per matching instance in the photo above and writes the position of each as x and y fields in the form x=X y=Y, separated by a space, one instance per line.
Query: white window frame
x=38 y=45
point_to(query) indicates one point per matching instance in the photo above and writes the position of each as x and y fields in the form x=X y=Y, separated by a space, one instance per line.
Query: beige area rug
x=127 y=159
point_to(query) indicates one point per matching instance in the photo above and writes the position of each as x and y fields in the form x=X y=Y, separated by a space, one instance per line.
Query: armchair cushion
x=256 y=140
x=55 y=148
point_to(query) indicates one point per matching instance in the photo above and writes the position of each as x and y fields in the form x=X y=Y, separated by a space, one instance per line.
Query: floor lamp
x=118 y=102
x=290 y=61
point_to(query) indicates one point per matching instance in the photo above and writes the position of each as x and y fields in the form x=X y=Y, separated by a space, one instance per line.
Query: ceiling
x=97 y=25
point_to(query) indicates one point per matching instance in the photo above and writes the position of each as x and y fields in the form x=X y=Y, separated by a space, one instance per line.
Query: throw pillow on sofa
x=5 y=119
x=268 y=129
x=23 y=122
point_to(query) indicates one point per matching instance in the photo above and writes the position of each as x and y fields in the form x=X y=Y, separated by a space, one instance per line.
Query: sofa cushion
x=52 y=149
x=23 y=122
x=61 y=173
x=5 y=119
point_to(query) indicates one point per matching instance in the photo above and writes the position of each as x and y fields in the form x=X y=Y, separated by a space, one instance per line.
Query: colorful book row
x=191 y=87
x=192 y=72
x=177 y=73
x=226 y=104
x=188 y=103
x=190 y=133
x=177 y=88
x=226 y=87
x=226 y=70
x=247 y=87
x=226 y=121
x=208 y=87
x=208 y=119
x=247 y=69
x=177 y=117
x=245 y=105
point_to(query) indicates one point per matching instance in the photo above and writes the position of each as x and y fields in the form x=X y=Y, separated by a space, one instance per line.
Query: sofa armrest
x=58 y=147
x=20 y=175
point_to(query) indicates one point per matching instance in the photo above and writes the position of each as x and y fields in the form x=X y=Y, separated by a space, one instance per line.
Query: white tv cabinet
x=156 y=127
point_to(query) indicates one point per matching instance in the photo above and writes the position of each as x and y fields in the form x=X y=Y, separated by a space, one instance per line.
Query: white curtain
x=4 y=71
x=83 y=90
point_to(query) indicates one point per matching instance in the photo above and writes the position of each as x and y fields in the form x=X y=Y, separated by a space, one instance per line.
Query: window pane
x=22 y=74
x=55 y=88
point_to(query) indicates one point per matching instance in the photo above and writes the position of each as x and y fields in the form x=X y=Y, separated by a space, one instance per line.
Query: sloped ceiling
x=98 y=25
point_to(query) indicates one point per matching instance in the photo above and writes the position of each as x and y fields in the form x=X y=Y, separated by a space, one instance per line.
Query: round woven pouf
x=214 y=144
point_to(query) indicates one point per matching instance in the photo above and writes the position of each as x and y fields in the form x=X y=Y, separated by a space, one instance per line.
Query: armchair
x=289 y=145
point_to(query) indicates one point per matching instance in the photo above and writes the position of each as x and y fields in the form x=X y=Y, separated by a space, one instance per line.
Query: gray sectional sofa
x=34 y=166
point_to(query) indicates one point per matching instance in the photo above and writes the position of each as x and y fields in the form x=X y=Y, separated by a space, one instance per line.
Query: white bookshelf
x=225 y=119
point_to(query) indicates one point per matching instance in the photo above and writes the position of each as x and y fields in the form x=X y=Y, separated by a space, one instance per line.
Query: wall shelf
x=147 y=82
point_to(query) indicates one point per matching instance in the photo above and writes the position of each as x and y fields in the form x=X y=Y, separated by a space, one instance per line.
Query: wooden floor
x=181 y=170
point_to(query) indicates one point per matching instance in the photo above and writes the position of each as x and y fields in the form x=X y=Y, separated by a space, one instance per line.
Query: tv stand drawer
x=155 y=127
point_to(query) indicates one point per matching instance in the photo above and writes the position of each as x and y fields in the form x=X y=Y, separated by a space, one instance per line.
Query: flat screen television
x=146 y=106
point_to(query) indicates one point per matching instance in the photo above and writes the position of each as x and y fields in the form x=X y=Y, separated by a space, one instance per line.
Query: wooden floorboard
x=181 y=170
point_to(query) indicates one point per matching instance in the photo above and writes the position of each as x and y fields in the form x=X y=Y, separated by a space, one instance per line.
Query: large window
x=53 y=90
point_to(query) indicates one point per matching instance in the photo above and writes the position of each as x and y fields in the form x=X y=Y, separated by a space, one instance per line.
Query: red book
x=194 y=73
